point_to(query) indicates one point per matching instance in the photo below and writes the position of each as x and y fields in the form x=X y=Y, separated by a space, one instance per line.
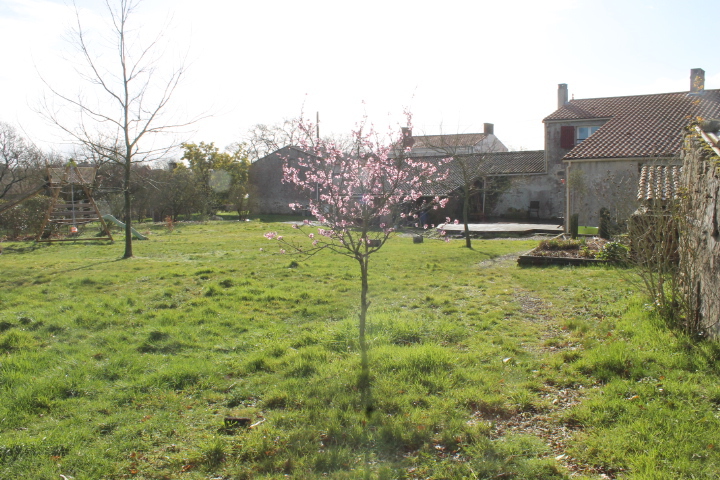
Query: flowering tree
x=359 y=199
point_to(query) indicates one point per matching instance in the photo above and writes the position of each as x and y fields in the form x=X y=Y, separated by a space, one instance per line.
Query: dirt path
x=545 y=424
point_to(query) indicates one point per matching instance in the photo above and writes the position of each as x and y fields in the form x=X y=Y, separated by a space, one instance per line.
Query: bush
x=613 y=252
x=24 y=219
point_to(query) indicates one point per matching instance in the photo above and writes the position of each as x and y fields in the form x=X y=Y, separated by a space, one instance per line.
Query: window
x=584 y=132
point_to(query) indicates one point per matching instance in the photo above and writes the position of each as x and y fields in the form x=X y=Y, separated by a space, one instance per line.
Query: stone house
x=503 y=181
x=595 y=150
x=269 y=194
x=505 y=184
x=600 y=145
x=456 y=144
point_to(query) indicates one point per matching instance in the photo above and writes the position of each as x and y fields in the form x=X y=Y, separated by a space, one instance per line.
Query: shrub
x=613 y=252
x=24 y=219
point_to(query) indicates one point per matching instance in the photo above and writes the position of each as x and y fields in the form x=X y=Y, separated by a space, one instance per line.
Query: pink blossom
x=456 y=221
x=270 y=235
x=282 y=251
x=447 y=219
x=425 y=226
x=442 y=232
x=311 y=235
x=279 y=237
x=295 y=226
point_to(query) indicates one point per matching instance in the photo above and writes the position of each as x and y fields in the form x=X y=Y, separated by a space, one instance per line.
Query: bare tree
x=21 y=163
x=122 y=115
x=262 y=140
x=467 y=174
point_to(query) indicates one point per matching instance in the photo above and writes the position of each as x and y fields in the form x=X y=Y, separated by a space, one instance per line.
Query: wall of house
x=554 y=152
x=595 y=184
x=701 y=253
x=514 y=202
x=269 y=194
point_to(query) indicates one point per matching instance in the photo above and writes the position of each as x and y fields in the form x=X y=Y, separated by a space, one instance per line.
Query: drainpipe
x=567 y=197
x=484 y=191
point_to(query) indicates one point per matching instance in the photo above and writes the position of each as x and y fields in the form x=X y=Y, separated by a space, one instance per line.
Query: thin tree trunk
x=128 y=216
x=466 y=214
x=364 y=380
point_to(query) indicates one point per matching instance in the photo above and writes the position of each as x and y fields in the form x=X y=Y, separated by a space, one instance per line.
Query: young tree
x=358 y=200
x=122 y=114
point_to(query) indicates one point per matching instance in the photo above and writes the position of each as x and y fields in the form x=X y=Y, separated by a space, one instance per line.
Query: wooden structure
x=71 y=204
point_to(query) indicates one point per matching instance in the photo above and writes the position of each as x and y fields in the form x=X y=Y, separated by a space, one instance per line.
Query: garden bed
x=562 y=250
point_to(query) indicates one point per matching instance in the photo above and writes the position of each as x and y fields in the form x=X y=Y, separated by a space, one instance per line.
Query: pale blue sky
x=455 y=65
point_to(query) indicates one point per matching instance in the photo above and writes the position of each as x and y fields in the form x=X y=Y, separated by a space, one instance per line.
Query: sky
x=454 y=65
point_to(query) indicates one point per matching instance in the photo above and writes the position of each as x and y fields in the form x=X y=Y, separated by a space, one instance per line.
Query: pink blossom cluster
x=350 y=194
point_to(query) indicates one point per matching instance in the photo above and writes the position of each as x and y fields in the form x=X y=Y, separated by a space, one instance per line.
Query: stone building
x=269 y=194
x=594 y=152
x=455 y=144
x=599 y=145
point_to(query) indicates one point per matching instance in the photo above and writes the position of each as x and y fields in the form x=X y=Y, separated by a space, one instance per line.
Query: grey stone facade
x=269 y=194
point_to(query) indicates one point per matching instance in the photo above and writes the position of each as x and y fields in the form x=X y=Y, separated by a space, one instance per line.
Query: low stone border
x=528 y=259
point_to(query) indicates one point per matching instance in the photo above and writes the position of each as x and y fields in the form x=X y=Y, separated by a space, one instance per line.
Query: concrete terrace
x=500 y=228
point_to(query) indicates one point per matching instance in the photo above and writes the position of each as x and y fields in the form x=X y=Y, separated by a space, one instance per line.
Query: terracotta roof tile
x=659 y=182
x=637 y=126
x=448 y=141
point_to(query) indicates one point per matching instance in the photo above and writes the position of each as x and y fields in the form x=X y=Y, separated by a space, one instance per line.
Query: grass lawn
x=121 y=369
x=587 y=230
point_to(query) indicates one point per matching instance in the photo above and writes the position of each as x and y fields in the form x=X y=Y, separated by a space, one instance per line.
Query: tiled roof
x=488 y=164
x=448 y=141
x=659 y=182
x=637 y=126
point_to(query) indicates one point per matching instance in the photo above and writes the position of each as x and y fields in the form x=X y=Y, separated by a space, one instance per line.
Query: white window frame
x=588 y=130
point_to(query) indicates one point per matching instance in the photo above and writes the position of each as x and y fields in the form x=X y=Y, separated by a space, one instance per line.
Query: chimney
x=488 y=128
x=408 y=141
x=697 y=80
x=562 y=94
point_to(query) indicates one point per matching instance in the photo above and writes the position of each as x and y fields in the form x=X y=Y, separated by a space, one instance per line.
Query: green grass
x=587 y=230
x=117 y=369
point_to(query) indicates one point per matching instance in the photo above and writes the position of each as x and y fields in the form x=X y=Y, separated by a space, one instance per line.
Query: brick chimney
x=407 y=141
x=488 y=128
x=697 y=80
x=562 y=94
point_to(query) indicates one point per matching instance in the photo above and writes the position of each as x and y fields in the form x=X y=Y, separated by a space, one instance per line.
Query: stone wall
x=700 y=252
x=523 y=189
x=268 y=193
